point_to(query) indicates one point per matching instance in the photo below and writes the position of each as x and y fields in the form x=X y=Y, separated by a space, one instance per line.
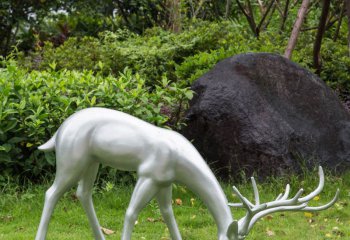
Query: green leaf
x=50 y=158
x=10 y=125
x=17 y=140
x=5 y=147
x=100 y=65
x=22 y=104
x=93 y=101
x=53 y=65
x=165 y=82
x=4 y=157
x=10 y=111
x=189 y=94
x=28 y=145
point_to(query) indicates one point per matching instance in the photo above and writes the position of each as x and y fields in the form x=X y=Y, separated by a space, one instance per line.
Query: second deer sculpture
x=160 y=157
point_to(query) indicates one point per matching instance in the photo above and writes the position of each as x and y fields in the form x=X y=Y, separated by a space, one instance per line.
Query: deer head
x=239 y=229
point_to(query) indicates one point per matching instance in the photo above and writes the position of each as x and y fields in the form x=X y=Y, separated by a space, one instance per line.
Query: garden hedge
x=183 y=57
x=33 y=104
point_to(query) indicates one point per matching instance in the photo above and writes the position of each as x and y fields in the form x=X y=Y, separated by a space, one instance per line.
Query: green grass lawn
x=20 y=212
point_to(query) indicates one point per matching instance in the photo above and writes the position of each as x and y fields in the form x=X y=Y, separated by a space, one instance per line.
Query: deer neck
x=193 y=172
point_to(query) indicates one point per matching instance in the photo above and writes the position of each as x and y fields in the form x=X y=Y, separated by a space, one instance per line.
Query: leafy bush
x=195 y=66
x=34 y=104
x=335 y=60
x=166 y=63
x=187 y=55
x=152 y=54
x=336 y=65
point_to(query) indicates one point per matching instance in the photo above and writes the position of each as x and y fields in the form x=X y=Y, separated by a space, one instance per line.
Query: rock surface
x=263 y=113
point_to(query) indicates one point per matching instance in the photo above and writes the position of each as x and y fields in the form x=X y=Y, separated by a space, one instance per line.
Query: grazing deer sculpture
x=160 y=157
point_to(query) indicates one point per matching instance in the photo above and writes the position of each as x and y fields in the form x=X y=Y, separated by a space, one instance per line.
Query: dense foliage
x=136 y=56
x=56 y=20
x=33 y=105
x=185 y=56
x=153 y=54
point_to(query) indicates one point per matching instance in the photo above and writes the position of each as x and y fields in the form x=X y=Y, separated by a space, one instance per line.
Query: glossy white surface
x=159 y=156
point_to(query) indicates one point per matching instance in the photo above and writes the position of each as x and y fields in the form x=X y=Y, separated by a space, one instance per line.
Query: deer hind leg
x=84 y=193
x=62 y=183
x=144 y=191
x=69 y=169
x=164 y=198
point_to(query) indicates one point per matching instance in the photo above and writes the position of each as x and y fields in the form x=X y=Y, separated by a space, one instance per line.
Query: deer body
x=159 y=156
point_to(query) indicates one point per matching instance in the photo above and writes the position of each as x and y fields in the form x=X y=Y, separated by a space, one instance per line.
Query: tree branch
x=228 y=8
x=319 y=36
x=285 y=15
x=262 y=7
x=296 y=29
x=265 y=14
x=347 y=4
x=249 y=16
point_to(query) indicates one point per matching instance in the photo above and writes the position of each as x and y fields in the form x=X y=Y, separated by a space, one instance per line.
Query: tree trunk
x=248 y=13
x=122 y=12
x=262 y=7
x=251 y=14
x=265 y=15
x=270 y=17
x=228 y=8
x=347 y=4
x=285 y=15
x=196 y=12
x=336 y=34
x=296 y=28
x=319 y=36
x=175 y=15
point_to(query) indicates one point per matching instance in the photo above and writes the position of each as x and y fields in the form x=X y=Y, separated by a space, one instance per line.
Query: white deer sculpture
x=160 y=157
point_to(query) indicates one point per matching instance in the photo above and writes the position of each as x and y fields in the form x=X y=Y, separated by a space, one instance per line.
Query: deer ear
x=232 y=231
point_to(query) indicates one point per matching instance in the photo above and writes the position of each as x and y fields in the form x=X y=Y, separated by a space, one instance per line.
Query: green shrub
x=185 y=56
x=336 y=65
x=195 y=66
x=34 y=104
x=152 y=54
x=335 y=60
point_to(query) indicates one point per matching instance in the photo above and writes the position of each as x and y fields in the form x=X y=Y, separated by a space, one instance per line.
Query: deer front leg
x=84 y=193
x=164 y=200
x=144 y=191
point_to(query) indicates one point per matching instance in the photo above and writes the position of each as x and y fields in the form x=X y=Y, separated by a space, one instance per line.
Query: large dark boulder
x=263 y=113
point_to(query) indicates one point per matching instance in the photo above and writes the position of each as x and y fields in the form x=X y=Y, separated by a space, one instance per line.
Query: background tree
x=174 y=9
x=19 y=19
x=347 y=4
x=167 y=41
x=35 y=21
x=296 y=29
x=284 y=14
x=320 y=32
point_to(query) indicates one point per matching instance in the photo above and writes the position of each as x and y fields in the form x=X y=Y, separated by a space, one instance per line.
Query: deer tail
x=49 y=145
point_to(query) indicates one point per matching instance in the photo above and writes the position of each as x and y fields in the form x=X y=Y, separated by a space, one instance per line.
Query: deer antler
x=281 y=203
